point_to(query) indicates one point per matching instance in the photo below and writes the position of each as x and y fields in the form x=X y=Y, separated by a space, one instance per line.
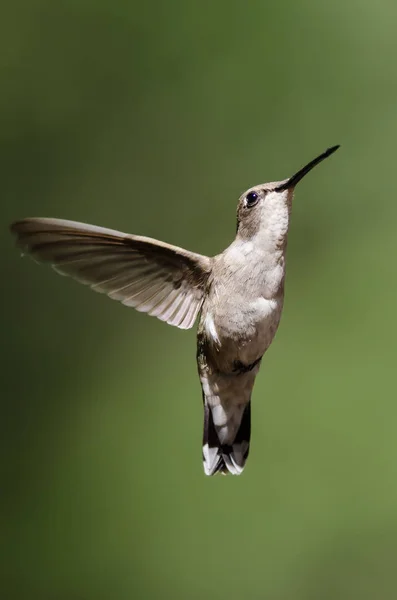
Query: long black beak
x=292 y=181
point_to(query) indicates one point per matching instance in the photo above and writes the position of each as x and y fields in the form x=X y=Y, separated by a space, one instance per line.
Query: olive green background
x=152 y=118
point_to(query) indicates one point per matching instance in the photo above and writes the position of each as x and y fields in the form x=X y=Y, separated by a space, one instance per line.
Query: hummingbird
x=238 y=296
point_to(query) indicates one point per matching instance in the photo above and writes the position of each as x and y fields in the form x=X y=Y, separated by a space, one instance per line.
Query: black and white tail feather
x=225 y=457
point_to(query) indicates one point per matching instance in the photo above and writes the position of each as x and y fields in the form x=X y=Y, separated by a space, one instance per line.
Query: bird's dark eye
x=251 y=199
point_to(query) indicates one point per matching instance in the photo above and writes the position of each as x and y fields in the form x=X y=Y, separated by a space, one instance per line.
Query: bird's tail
x=222 y=452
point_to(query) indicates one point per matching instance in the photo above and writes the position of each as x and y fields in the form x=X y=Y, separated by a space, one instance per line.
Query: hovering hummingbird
x=239 y=295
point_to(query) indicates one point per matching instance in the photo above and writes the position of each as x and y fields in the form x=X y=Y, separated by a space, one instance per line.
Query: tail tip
x=225 y=459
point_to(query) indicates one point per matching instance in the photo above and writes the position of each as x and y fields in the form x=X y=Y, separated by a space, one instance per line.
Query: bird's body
x=239 y=319
x=238 y=294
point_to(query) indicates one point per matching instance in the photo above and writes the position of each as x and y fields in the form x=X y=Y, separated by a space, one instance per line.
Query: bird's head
x=264 y=210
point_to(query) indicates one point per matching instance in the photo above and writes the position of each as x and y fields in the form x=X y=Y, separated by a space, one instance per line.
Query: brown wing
x=153 y=277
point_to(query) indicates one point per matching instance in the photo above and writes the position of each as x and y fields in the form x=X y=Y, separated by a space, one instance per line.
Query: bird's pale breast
x=241 y=331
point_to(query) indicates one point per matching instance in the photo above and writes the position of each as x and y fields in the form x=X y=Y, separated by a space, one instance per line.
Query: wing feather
x=153 y=277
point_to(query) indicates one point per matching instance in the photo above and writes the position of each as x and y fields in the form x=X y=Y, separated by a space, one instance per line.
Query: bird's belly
x=243 y=334
x=255 y=343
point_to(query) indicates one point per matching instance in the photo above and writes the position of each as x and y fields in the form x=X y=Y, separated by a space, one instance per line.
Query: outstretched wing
x=153 y=277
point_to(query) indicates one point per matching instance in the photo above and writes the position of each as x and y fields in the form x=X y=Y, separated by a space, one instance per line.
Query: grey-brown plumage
x=238 y=293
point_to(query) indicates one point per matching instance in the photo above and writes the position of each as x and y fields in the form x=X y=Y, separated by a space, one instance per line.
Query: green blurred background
x=152 y=118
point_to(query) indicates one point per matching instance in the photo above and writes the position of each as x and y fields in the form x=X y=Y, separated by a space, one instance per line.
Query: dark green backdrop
x=152 y=117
